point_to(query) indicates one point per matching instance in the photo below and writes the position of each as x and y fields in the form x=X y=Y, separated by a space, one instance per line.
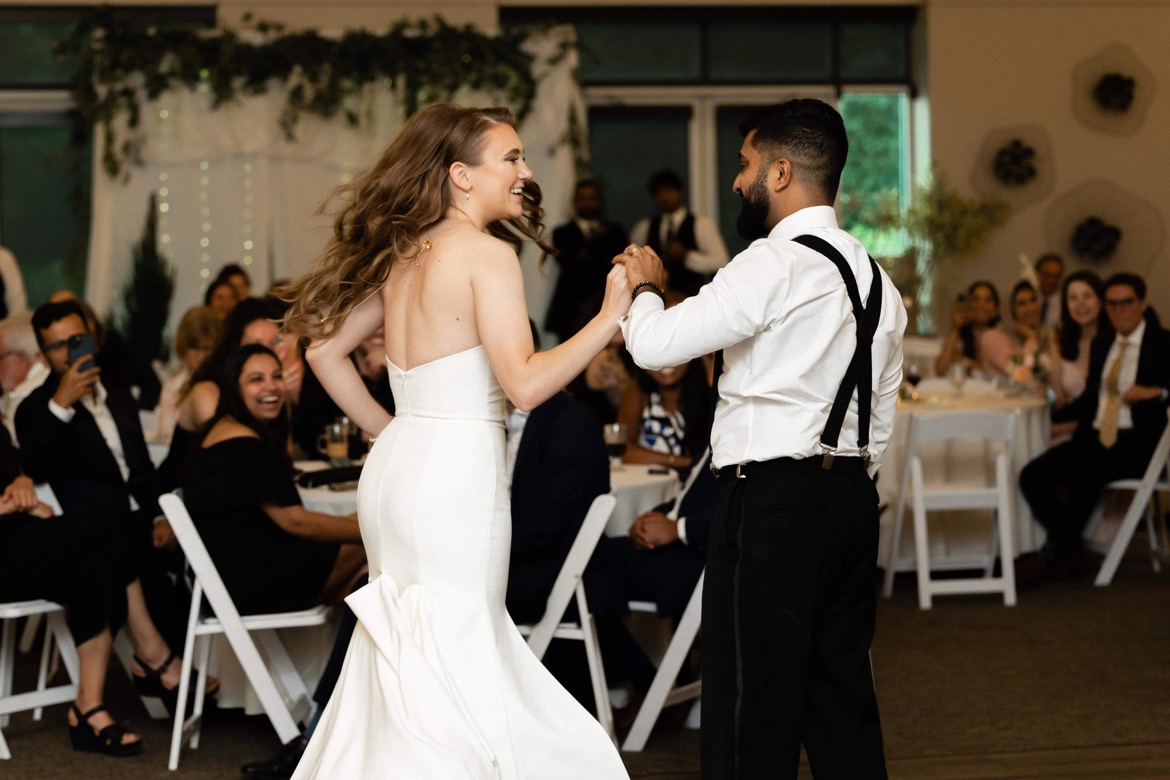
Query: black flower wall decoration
x=1114 y=92
x=1015 y=164
x=1095 y=239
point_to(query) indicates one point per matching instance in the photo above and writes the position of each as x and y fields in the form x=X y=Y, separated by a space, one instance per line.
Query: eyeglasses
x=1123 y=303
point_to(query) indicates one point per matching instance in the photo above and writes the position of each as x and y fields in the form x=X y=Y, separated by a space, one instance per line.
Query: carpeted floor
x=1072 y=682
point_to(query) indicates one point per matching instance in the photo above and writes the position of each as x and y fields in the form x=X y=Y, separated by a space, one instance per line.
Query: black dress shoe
x=281 y=765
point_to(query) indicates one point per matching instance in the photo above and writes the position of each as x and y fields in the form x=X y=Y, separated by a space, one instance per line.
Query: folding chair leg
x=43 y=671
x=672 y=662
x=921 y=547
x=5 y=753
x=1120 y=542
x=7 y=661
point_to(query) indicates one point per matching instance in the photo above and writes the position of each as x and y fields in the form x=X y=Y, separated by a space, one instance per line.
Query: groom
x=789 y=599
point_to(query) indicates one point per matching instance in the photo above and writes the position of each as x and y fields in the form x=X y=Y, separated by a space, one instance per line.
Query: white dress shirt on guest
x=711 y=254
x=95 y=404
x=1125 y=379
x=782 y=315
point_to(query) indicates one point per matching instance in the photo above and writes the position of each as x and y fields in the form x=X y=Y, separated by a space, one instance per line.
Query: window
x=668 y=88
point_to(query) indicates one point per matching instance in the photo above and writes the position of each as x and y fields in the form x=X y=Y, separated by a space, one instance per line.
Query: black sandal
x=107 y=741
x=150 y=683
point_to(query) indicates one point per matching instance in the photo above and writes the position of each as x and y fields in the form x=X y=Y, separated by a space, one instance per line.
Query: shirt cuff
x=60 y=412
x=681 y=525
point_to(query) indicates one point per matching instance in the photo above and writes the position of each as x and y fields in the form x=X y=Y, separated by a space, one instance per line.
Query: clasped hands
x=653 y=529
x=642 y=264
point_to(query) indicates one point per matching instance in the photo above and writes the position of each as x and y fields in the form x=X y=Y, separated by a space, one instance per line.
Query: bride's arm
x=501 y=316
x=339 y=376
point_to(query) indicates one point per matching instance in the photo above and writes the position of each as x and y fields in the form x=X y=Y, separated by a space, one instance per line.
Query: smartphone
x=81 y=346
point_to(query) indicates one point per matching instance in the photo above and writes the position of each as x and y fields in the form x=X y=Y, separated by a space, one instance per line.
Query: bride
x=437 y=682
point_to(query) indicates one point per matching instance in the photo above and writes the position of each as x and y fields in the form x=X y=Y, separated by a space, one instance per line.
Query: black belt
x=786 y=466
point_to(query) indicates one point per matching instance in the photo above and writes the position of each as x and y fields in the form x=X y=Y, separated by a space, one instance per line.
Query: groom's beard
x=753 y=214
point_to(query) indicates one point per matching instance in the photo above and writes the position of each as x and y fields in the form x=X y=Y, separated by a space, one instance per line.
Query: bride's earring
x=467 y=193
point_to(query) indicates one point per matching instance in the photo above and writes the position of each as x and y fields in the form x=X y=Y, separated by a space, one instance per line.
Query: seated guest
x=1028 y=356
x=111 y=351
x=973 y=333
x=220 y=298
x=316 y=409
x=83 y=436
x=602 y=385
x=273 y=554
x=1120 y=417
x=198 y=334
x=22 y=369
x=1082 y=319
x=668 y=415
x=238 y=278
x=251 y=322
x=666 y=550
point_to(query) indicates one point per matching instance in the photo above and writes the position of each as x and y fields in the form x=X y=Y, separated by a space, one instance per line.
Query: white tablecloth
x=637 y=488
x=959 y=534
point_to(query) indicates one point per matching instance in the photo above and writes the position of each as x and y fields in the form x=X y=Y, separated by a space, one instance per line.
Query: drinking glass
x=615 y=444
x=334 y=442
x=958 y=376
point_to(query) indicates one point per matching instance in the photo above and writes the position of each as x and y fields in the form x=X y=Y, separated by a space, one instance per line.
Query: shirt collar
x=800 y=222
x=1134 y=339
x=676 y=217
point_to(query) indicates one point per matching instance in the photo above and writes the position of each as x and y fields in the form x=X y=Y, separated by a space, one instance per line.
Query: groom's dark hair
x=810 y=134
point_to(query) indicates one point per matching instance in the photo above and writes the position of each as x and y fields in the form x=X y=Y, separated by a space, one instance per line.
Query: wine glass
x=615 y=443
x=913 y=376
x=958 y=375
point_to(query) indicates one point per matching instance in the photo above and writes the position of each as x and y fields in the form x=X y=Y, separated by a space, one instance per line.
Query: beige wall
x=994 y=64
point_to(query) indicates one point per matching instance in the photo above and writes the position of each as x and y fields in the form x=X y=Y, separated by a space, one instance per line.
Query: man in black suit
x=83 y=436
x=1120 y=417
x=585 y=248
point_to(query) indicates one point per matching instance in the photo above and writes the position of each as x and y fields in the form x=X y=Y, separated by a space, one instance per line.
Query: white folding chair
x=663 y=692
x=996 y=430
x=1145 y=503
x=57 y=635
x=568 y=585
x=268 y=674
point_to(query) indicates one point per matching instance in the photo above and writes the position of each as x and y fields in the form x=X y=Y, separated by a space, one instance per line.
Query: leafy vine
x=424 y=60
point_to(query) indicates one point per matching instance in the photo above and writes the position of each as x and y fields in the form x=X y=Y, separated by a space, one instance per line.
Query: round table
x=964 y=533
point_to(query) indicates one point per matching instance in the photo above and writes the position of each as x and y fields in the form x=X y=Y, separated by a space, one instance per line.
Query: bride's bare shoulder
x=480 y=249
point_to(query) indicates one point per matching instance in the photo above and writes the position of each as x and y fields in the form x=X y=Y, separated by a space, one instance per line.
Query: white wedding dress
x=437 y=682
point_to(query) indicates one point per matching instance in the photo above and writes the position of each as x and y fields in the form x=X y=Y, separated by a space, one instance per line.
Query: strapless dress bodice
x=457 y=387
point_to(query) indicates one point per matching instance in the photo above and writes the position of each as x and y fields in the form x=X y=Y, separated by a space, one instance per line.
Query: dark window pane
x=646 y=52
x=742 y=51
x=37 y=222
x=873 y=51
x=627 y=146
x=26 y=54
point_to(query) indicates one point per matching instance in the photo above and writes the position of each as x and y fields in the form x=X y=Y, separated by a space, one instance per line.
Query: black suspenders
x=859 y=375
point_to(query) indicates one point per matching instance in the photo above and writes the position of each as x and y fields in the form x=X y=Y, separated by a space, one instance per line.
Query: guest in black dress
x=273 y=554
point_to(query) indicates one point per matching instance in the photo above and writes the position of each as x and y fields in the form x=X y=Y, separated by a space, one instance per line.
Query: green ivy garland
x=429 y=60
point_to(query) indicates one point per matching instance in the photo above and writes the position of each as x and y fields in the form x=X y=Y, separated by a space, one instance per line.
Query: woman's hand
x=617 y=300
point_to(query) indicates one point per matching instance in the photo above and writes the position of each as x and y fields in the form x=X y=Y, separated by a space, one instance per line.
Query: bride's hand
x=617 y=294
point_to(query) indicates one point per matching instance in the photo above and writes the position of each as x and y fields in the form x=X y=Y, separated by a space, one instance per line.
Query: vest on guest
x=680 y=277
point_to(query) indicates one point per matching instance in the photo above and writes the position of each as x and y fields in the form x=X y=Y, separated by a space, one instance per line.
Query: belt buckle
x=739 y=471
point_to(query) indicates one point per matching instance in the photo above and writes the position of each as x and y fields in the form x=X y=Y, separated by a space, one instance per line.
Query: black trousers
x=67 y=560
x=788 y=617
x=1063 y=485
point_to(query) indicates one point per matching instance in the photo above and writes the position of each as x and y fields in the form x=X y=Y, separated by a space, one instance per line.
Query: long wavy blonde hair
x=385 y=212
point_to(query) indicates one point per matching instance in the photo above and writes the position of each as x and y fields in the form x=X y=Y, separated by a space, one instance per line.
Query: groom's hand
x=642 y=264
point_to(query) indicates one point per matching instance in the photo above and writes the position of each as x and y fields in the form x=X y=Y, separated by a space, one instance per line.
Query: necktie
x=1108 y=430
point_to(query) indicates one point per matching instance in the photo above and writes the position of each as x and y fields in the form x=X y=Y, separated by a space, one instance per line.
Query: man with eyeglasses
x=1120 y=417
x=81 y=433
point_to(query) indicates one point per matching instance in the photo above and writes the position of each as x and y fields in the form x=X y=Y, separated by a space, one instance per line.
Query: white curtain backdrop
x=232 y=189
